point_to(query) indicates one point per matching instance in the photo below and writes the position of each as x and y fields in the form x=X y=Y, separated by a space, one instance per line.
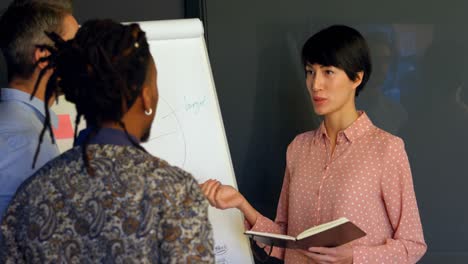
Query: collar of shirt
x=358 y=128
x=9 y=94
x=106 y=136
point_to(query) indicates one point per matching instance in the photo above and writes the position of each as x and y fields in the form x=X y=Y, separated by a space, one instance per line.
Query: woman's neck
x=339 y=121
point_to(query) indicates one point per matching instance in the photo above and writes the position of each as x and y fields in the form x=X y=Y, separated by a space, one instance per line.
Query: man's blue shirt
x=21 y=121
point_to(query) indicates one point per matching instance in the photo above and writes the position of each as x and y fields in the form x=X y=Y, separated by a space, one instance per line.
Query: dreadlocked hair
x=101 y=71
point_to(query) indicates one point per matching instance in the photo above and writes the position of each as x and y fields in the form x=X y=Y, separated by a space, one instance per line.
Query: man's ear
x=146 y=97
x=40 y=53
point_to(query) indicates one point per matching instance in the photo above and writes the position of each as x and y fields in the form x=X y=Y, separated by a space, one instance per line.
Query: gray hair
x=22 y=28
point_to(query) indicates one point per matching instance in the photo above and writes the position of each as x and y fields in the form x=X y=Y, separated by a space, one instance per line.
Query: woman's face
x=330 y=89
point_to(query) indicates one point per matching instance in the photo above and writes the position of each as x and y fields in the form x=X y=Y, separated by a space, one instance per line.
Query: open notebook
x=331 y=234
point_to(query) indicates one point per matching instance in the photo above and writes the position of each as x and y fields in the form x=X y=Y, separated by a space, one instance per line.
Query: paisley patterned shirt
x=135 y=209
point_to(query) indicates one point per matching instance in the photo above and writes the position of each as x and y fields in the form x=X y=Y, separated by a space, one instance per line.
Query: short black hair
x=342 y=47
x=22 y=27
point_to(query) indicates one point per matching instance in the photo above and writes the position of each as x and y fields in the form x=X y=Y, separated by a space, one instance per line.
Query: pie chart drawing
x=167 y=139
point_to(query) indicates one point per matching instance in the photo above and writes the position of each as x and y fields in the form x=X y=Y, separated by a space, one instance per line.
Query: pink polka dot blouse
x=367 y=180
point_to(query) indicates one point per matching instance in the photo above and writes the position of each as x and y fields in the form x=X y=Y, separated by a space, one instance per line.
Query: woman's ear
x=358 y=80
x=41 y=53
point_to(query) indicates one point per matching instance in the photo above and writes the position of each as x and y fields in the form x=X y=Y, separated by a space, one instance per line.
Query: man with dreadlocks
x=107 y=200
x=22 y=28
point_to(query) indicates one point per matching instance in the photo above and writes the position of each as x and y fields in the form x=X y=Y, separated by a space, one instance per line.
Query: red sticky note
x=65 y=127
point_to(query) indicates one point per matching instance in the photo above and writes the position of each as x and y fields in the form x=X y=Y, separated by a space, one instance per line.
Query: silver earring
x=149 y=112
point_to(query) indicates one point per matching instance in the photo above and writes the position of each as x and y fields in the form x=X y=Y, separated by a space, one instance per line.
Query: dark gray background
x=254 y=50
x=122 y=10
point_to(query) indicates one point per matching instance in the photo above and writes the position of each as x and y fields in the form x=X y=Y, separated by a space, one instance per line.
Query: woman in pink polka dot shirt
x=346 y=168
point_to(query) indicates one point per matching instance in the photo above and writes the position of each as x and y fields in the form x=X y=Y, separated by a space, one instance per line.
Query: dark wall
x=418 y=91
x=124 y=10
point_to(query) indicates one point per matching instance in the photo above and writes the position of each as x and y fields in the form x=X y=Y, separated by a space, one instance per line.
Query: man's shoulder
x=17 y=130
x=15 y=116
